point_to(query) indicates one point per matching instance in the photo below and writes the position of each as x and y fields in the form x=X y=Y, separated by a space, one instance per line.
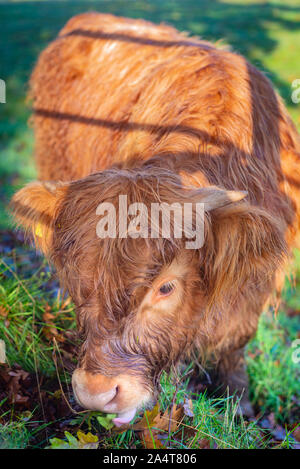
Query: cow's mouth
x=124 y=417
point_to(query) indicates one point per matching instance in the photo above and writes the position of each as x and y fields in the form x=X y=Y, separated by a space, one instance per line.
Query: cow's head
x=142 y=302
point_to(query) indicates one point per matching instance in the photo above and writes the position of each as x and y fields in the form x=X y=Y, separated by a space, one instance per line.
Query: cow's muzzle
x=121 y=394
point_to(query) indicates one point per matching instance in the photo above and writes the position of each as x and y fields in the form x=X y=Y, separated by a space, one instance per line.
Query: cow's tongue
x=124 y=417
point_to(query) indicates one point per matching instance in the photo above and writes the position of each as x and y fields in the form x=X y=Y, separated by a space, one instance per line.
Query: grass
x=32 y=311
x=274 y=375
x=14 y=436
x=214 y=425
x=25 y=326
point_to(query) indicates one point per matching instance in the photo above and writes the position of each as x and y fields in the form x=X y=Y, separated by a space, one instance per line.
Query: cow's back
x=115 y=91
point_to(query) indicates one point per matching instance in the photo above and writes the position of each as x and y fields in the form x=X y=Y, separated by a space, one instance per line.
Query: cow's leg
x=231 y=375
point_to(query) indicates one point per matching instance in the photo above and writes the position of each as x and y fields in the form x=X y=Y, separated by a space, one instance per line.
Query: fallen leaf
x=86 y=437
x=203 y=444
x=151 y=441
x=14 y=379
x=170 y=420
x=3 y=312
x=57 y=394
x=188 y=408
x=296 y=434
x=147 y=420
x=83 y=441
x=50 y=330
x=154 y=425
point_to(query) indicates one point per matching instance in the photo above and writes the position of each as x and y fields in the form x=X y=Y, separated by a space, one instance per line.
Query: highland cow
x=126 y=107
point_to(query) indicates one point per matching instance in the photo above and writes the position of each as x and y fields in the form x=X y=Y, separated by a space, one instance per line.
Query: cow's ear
x=245 y=246
x=242 y=242
x=211 y=196
x=214 y=198
x=35 y=208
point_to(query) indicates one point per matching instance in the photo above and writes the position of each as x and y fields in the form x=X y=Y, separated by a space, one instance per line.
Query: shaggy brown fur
x=126 y=107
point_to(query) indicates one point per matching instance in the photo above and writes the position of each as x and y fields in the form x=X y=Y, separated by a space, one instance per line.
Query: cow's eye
x=166 y=288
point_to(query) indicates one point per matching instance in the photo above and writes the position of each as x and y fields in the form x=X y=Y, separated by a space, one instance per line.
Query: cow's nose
x=95 y=391
x=120 y=395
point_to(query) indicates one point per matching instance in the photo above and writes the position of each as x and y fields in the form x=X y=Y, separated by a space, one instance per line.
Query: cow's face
x=139 y=300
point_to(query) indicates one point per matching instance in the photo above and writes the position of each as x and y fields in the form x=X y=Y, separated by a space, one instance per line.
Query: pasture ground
x=37 y=324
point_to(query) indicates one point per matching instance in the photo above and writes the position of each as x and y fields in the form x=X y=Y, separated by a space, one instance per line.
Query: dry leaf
x=170 y=420
x=50 y=330
x=150 y=440
x=153 y=425
x=148 y=419
x=296 y=434
x=3 y=312
x=13 y=381
x=203 y=444
x=84 y=441
x=86 y=437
